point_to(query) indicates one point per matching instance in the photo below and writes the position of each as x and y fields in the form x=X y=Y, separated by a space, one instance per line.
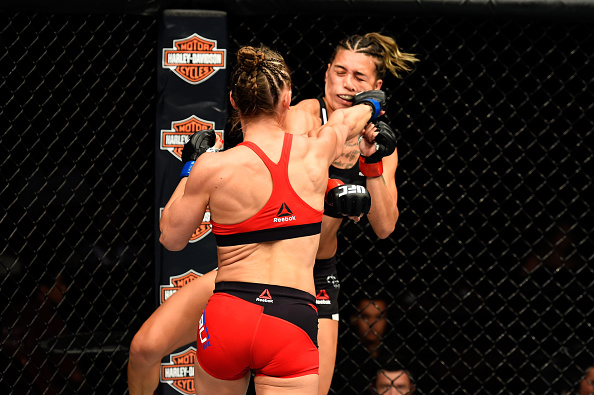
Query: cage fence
x=484 y=286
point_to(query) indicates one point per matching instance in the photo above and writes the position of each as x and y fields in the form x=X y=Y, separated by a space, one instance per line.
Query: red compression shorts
x=267 y=328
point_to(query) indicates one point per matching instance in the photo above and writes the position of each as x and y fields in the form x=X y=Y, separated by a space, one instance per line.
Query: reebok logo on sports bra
x=284 y=214
x=284 y=211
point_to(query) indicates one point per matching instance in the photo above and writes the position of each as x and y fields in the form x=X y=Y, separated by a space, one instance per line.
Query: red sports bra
x=284 y=216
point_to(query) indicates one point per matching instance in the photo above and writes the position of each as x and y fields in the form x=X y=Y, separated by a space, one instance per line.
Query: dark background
x=488 y=272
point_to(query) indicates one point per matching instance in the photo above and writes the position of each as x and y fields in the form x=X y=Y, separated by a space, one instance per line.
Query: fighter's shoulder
x=303 y=117
x=215 y=161
x=217 y=166
x=311 y=106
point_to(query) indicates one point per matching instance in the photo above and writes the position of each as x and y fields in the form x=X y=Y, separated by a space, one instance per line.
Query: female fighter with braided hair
x=358 y=63
x=262 y=315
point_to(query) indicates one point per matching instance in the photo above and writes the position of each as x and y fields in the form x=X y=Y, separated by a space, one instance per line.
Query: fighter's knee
x=143 y=349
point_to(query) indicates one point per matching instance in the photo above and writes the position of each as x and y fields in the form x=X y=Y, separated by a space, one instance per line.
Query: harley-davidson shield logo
x=173 y=140
x=179 y=372
x=176 y=282
x=194 y=59
x=204 y=229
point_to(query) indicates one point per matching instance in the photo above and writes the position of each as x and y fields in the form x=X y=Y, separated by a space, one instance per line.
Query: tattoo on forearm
x=349 y=157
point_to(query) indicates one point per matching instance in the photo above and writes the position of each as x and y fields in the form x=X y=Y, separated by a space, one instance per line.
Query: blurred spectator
x=29 y=323
x=586 y=385
x=551 y=284
x=557 y=250
x=393 y=379
x=370 y=323
x=363 y=345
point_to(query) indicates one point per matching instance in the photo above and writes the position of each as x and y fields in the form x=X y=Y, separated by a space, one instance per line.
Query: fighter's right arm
x=347 y=123
x=342 y=125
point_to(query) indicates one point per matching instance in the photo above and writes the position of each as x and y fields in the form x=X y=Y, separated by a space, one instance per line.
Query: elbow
x=386 y=228
x=171 y=245
x=385 y=232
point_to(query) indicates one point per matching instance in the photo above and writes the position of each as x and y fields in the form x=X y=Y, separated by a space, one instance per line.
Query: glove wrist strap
x=333 y=183
x=186 y=169
x=371 y=169
x=375 y=108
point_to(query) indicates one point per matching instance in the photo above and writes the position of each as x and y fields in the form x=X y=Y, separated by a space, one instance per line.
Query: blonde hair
x=384 y=50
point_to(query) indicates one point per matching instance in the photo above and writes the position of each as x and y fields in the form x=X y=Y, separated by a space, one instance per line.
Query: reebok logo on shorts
x=322 y=297
x=284 y=214
x=265 y=297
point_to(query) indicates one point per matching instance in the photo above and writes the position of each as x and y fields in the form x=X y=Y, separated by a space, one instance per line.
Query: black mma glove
x=199 y=143
x=347 y=199
x=385 y=144
x=376 y=99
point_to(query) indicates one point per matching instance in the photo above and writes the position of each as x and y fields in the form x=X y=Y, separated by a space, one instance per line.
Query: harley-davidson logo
x=194 y=59
x=179 y=372
x=176 y=282
x=173 y=140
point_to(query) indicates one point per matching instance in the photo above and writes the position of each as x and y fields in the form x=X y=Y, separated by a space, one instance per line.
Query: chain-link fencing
x=484 y=286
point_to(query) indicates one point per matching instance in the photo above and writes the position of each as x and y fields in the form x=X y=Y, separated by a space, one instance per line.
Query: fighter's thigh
x=303 y=385
x=206 y=384
x=327 y=342
x=181 y=311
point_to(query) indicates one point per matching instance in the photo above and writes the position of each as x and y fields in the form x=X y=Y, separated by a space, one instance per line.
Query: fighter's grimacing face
x=348 y=74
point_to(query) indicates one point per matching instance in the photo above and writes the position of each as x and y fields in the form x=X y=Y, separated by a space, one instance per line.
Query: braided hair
x=258 y=80
x=383 y=49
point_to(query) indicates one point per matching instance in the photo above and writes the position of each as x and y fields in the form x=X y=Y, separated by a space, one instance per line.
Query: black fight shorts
x=327 y=288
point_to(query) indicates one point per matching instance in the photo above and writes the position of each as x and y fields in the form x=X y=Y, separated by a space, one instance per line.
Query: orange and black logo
x=203 y=229
x=194 y=59
x=173 y=140
x=176 y=282
x=179 y=372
